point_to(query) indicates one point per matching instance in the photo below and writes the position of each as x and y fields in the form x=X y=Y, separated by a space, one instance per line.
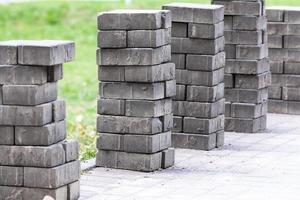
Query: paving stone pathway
x=249 y=166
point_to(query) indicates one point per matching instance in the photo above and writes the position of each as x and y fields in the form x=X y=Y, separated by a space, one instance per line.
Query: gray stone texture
x=247 y=68
x=135 y=116
x=35 y=159
x=198 y=45
x=284 y=44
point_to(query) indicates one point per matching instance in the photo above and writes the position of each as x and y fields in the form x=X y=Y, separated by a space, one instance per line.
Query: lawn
x=75 y=21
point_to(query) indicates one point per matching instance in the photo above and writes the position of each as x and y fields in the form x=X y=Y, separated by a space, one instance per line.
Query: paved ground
x=249 y=167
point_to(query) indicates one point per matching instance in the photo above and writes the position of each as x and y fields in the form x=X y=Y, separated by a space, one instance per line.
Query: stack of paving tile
x=247 y=71
x=137 y=83
x=198 y=53
x=284 y=50
x=35 y=159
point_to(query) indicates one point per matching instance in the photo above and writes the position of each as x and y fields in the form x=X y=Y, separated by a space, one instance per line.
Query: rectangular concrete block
x=292 y=68
x=254 y=8
x=7 y=135
x=291 y=41
x=141 y=108
x=246 y=95
x=230 y=50
x=168 y=158
x=253 y=82
x=11 y=192
x=23 y=75
x=247 y=66
x=26 y=116
x=228 y=22
x=59 y=110
x=52 y=177
x=227 y=109
x=196 y=13
x=31 y=156
x=11 y=176
x=250 y=23
x=198 y=109
x=194 y=141
x=134 y=125
x=111 y=73
x=112 y=39
x=29 y=95
x=170 y=88
x=74 y=190
x=111 y=107
x=247 y=110
x=71 y=148
x=134 y=143
x=197 y=46
x=276 y=67
x=134 y=20
x=155 y=73
x=274 y=14
x=148 y=38
x=167 y=121
x=180 y=93
x=251 y=52
x=203 y=125
x=220 y=139
x=132 y=56
x=8 y=53
x=40 y=135
x=206 y=31
x=179 y=29
x=291 y=15
x=243 y=37
x=205 y=94
x=131 y=161
x=45 y=52
x=275 y=92
x=275 y=41
x=178 y=124
x=55 y=73
x=229 y=80
x=286 y=80
x=245 y=125
x=178 y=60
x=123 y=90
x=203 y=78
x=291 y=93
x=278 y=28
x=205 y=62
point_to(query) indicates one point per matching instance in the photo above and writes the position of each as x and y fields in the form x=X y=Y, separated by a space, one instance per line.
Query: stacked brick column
x=198 y=53
x=247 y=74
x=284 y=50
x=137 y=83
x=35 y=159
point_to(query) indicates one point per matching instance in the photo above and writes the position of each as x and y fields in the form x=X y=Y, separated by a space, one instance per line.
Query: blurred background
x=76 y=20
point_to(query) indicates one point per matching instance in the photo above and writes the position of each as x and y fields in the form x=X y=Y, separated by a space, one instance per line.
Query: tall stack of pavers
x=247 y=71
x=137 y=84
x=35 y=159
x=284 y=51
x=198 y=53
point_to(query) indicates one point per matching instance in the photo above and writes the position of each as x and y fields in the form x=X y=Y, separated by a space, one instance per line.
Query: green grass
x=75 y=21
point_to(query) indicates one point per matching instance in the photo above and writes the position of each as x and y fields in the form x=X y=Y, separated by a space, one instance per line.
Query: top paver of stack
x=39 y=53
x=195 y=13
x=242 y=7
x=283 y=14
x=134 y=20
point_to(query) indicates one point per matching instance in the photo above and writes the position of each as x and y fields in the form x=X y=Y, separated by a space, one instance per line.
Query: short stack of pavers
x=284 y=51
x=35 y=159
x=247 y=71
x=137 y=84
x=198 y=53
